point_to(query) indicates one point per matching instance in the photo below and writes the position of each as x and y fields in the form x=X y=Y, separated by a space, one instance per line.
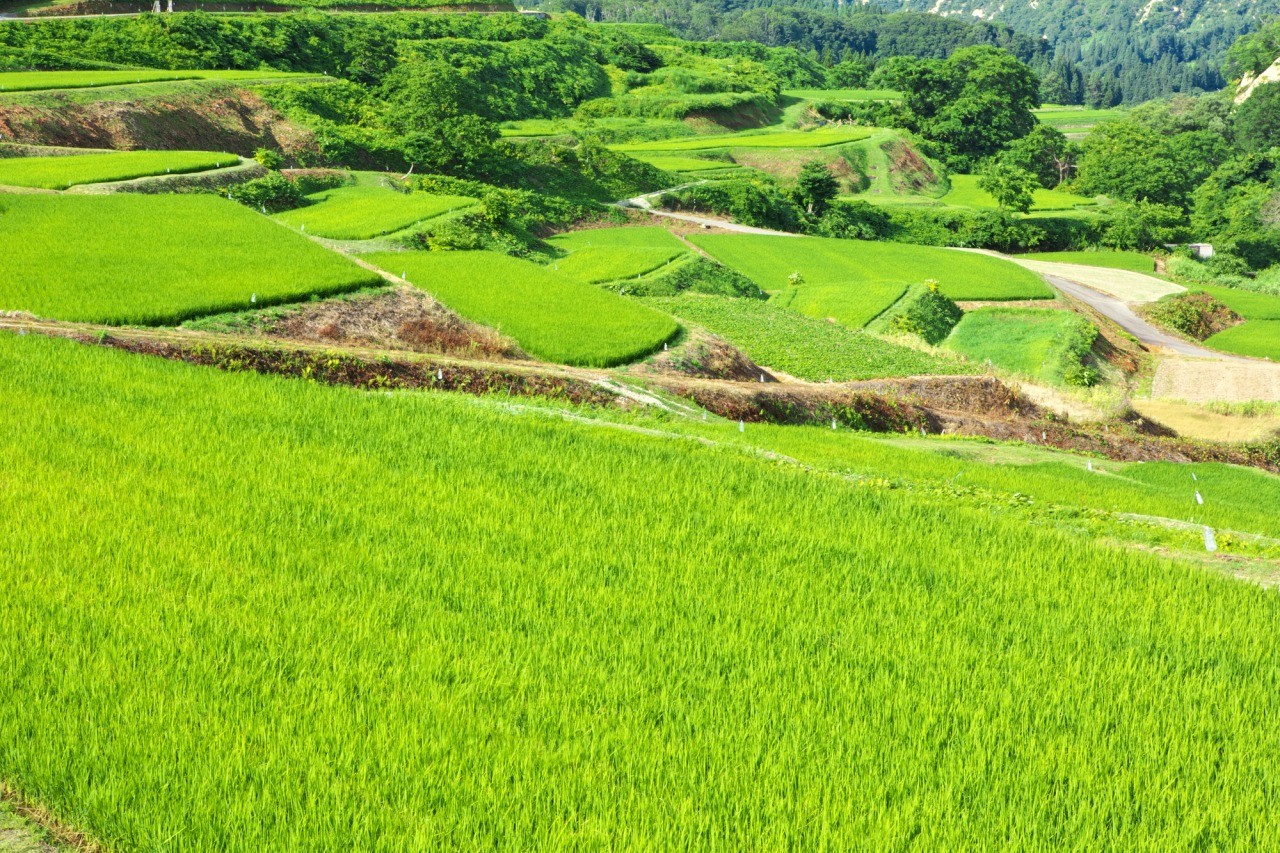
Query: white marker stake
x=742 y=426
x=1210 y=541
x=440 y=375
x=1193 y=477
x=1089 y=465
x=253 y=299
x=304 y=228
x=664 y=347
x=833 y=423
x=1199 y=499
x=761 y=377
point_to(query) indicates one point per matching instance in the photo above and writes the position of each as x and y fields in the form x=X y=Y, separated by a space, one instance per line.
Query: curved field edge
x=551 y=316
x=158 y=259
x=260 y=643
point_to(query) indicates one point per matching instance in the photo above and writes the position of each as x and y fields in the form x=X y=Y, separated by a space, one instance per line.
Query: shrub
x=273 y=194
x=699 y=275
x=1196 y=315
x=924 y=312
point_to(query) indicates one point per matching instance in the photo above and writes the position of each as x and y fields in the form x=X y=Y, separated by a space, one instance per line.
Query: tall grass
x=550 y=315
x=155 y=259
x=1040 y=344
x=854 y=280
x=246 y=613
x=61 y=172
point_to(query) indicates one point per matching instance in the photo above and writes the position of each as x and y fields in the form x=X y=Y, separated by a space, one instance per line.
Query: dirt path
x=642 y=202
x=1126 y=318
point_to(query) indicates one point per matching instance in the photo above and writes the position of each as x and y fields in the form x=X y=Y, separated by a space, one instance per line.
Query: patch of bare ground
x=200 y=116
x=1198 y=380
x=402 y=318
x=704 y=356
x=1014 y=303
x=28 y=828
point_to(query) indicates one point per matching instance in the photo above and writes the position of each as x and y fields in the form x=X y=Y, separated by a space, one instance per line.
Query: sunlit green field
x=370 y=208
x=267 y=614
x=1257 y=338
x=61 y=172
x=155 y=259
x=844 y=94
x=803 y=346
x=1131 y=261
x=1246 y=303
x=611 y=254
x=1026 y=341
x=819 y=138
x=33 y=81
x=1076 y=120
x=670 y=163
x=551 y=315
x=854 y=281
x=965 y=193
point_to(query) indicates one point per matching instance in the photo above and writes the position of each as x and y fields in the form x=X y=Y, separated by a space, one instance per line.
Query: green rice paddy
x=34 y=81
x=819 y=138
x=551 y=316
x=965 y=193
x=61 y=172
x=1257 y=338
x=1025 y=341
x=1131 y=261
x=155 y=259
x=268 y=614
x=370 y=208
x=801 y=346
x=854 y=281
x=611 y=254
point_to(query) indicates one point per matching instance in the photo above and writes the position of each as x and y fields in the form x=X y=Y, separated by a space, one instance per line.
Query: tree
x=1012 y=187
x=452 y=146
x=1131 y=162
x=1143 y=226
x=1046 y=153
x=1257 y=120
x=970 y=105
x=815 y=188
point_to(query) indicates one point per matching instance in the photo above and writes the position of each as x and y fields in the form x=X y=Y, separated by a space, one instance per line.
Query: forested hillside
x=1099 y=52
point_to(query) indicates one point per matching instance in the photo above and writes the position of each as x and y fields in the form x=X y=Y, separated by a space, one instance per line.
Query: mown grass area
x=819 y=138
x=802 y=346
x=35 y=81
x=965 y=193
x=268 y=614
x=1131 y=261
x=551 y=316
x=369 y=208
x=155 y=259
x=1026 y=341
x=610 y=254
x=61 y=172
x=854 y=280
x=1257 y=338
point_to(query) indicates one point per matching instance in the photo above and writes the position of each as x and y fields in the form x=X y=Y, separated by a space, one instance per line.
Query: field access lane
x=1127 y=319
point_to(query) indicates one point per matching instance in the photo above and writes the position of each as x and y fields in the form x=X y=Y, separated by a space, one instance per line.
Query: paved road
x=1127 y=319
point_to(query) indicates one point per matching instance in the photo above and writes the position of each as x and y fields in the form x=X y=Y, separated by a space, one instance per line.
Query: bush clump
x=924 y=312
x=1196 y=315
x=273 y=194
x=698 y=275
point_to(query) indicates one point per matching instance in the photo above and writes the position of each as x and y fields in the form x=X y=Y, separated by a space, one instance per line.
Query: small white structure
x=1201 y=250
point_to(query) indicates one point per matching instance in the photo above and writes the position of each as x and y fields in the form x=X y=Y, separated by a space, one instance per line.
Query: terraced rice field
x=155 y=259
x=755 y=139
x=369 y=208
x=1257 y=338
x=1025 y=341
x=62 y=172
x=611 y=254
x=35 y=81
x=854 y=281
x=1131 y=261
x=551 y=316
x=672 y=163
x=965 y=193
x=269 y=614
x=801 y=346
